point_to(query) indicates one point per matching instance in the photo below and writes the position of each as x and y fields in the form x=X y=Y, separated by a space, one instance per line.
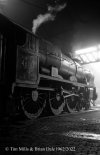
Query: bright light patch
x=95 y=55
x=78 y=57
x=99 y=55
x=95 y=68
x=82 y=135
x=90 y=57
x=84 y=58
x=87 y=50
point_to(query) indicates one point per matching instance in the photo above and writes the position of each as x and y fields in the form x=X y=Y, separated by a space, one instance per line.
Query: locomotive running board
x=65 y=81
x=46 y=88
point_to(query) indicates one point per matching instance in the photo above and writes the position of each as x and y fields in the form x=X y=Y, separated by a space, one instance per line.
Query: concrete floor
x=77 y=134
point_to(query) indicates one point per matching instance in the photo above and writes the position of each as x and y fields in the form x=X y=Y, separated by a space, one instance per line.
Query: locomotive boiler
x=36 y=77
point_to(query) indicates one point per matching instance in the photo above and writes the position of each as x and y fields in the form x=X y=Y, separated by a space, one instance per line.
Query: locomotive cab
x=10 y=36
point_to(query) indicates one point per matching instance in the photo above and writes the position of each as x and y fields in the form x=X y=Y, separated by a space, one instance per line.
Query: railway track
x=20 y=120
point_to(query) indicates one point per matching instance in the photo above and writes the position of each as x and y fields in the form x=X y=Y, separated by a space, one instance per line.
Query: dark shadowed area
x=75 y=27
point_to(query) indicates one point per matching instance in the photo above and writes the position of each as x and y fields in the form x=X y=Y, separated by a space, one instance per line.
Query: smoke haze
x=57 y=8
x=41 y=19
x=50 y=15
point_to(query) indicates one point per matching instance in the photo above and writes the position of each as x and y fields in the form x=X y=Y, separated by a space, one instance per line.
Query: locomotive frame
x=30 y=78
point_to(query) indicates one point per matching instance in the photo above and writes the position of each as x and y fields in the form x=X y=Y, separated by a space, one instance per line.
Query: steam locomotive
x=36 y=76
